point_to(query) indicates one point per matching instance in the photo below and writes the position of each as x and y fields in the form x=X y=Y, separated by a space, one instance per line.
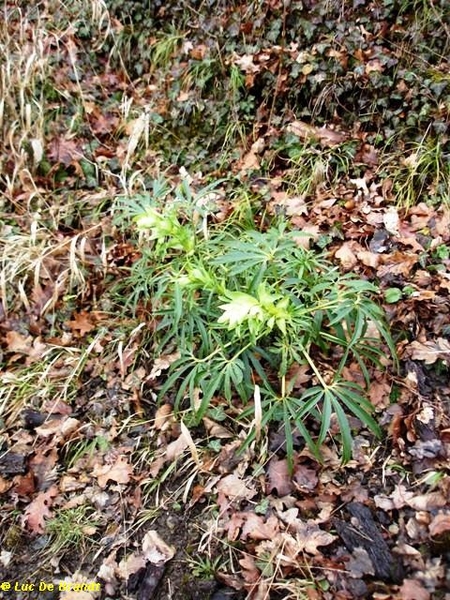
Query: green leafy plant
x=204 y=567
x=243 y=307
x=71 y=528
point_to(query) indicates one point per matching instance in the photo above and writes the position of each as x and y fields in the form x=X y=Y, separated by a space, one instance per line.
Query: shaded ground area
x=331 y=116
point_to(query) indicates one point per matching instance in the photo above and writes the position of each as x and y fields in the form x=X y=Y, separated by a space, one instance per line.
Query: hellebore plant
x=245 y=307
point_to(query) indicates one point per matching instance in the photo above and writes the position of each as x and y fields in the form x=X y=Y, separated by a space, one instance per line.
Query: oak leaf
x=430 y=351
x=278 y=477
x=39 y=509
x=119 y=472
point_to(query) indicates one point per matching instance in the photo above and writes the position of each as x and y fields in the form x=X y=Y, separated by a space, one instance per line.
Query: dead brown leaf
x=18 y=343
x=24 y=485
x=162 y=363
x=129 y=565
x=64 y=151
x=216 y=430
x=326 y=137
x=163 y=417
x=250 y=571
x=346 y=256
x=83 y=322
x=119 y=472
x=369 y=259
x=428 y=502
x=399 y=498
x=246 y=64
x=43 y=463
x=439 y=525
x=309 y=537
x=243 y=525
x=430 y=351
x=278 y=477
x=235 y=488
x=379 y=394
x=172 y=451
x=305 y=478
x=397 y=263
x=250 y=162
x=155 y=550
x=297 y=375
x=39 y=510
x=412 y=589
x=58 y=428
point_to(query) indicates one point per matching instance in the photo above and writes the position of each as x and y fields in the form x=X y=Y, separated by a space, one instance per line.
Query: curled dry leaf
x=216 y=430
x=440 y=525
x=391 y=220
x=163 y=417
x=346 y=256
x=162 y=363
x=155 y=550
x=172 y=451
x=326 y=137
x=430 y=352
x=190 y=442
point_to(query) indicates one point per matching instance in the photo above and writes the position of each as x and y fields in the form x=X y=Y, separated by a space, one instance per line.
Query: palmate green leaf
x=350 y=284
x=241 y=307
x=340 y=313
x=310 y=399
x=179 y=380
x=357 y=404
x=346 y=433
x=325 y=415
x=233 y=375
x=375 y=314
x=357 y=326
x=242 y=260
x=210 y=384
x=289 y=440
x=292 y=409
x=177 y=306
